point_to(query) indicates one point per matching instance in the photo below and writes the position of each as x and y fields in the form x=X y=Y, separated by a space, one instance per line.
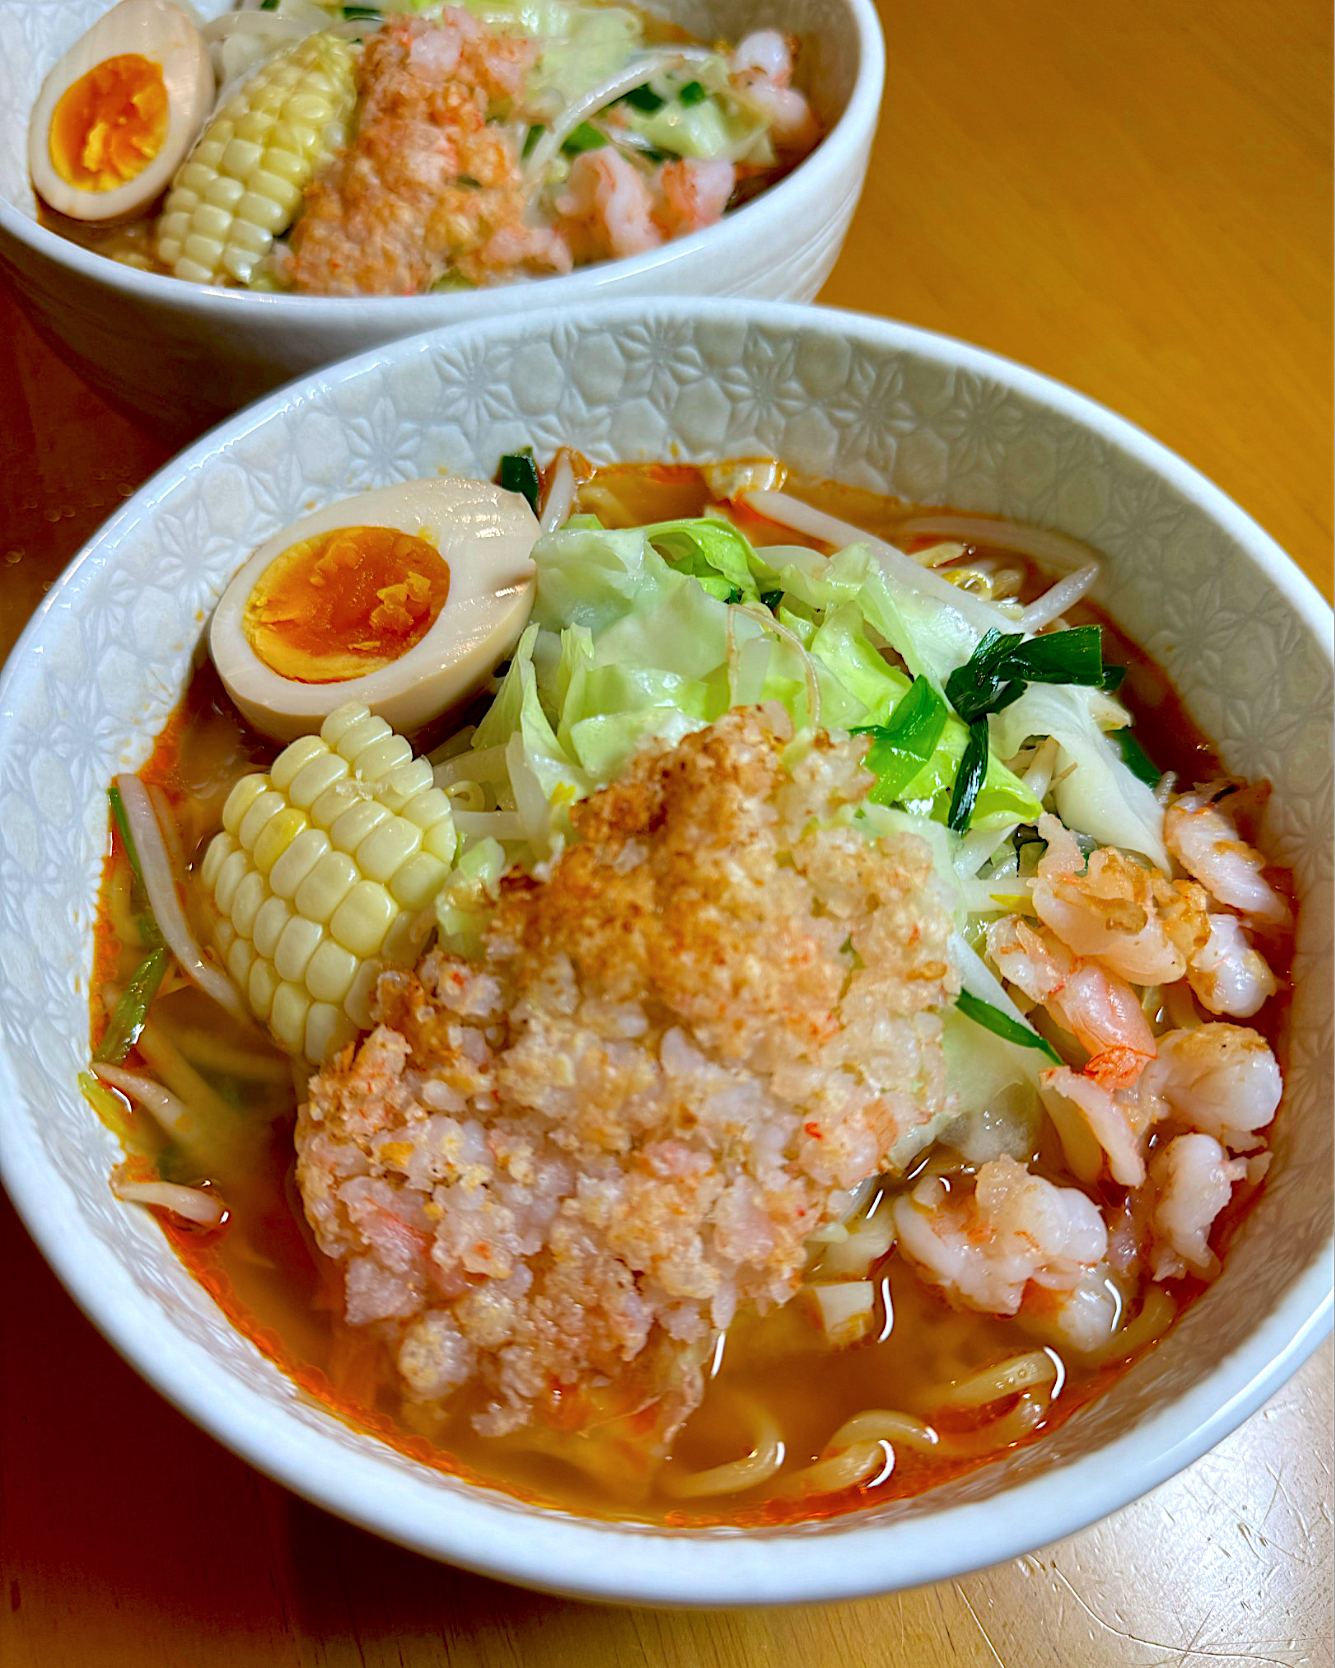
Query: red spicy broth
x=263 y=1269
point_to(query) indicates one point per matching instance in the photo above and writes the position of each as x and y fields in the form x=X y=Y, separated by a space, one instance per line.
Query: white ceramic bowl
x=185 y=355
x=1243 y=634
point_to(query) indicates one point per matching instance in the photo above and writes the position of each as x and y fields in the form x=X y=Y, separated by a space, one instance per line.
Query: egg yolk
x=346 y=603
x=110 y=123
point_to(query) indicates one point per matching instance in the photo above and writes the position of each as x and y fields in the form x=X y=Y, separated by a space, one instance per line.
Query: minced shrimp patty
x=570 y=1160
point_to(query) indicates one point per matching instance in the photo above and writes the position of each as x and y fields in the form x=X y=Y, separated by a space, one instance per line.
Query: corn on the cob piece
x=243 y=182
x=323 y=874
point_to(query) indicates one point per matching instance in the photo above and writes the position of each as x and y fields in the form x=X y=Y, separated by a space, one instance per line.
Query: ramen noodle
x=784 y=1043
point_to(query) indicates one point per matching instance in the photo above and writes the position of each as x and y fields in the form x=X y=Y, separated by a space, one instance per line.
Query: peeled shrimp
x=695 y=193
x=1192 y=1179
x=1221 y=1080
x=1099 y=1008
x=1134 y=920
x=1014 y=1228
x=1093 y=1122
x=1203 y=838
x=606 y=211
x=762 y=66
x=1227 y=974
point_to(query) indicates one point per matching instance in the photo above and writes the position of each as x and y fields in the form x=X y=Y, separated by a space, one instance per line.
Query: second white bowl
x=184 y=355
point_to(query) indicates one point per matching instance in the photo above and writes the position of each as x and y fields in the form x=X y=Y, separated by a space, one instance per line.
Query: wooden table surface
x=1135 y=198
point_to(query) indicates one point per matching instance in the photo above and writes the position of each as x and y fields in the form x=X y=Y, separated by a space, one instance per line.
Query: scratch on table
x=1171 y=1652
x=987 y=1637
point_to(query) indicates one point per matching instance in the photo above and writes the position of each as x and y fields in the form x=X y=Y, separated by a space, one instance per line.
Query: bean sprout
x=1054 y=603
x=166 y=905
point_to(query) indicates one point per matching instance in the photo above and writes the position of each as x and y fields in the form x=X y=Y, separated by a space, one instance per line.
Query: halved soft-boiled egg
x=116 y=116
x=403 y=598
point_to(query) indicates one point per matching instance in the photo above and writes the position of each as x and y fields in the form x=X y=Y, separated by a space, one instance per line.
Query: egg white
x=164 y=34
x=485 y=535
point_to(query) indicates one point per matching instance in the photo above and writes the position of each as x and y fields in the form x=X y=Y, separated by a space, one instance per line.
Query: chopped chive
x=357 y=13
x=518 y=473
x=644 y=98
x=128 y=1016
x=1002 y=1025
x=268 y=5
x=969 y=778
x=107 y=1105
x=692 y=93
x=123 y=829
x=583 y=138
x=531 y=138
x=903 y=745
x=1137 y=760
x=997 y=671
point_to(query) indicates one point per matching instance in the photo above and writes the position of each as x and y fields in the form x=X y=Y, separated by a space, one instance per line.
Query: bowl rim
x=601 y=1559
x=820 y=173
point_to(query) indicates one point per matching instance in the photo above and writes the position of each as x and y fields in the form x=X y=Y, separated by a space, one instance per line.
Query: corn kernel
x=204 y=251
x=327 y=1028
x=224 y=934
x=261 y=211
x=288 y=1016
x=314 y=777
x=296 y=754
x=357 y=1003
x=239 y=960
x=277 y=836
x=349 y=830
x=382 y=758
x=405 y=939
x=360 y=735
x=296 y=947
x=230 y=876
x=261 y=808
x=427 y=808
x=297 y=861
x=363 y=918
x=341 y=720
x=260 y=990
x=387 y=847
x=243 y=795
x=441 y=840
x=326 y=886
x=330 y=971
x=222 y=192
x=332 y=803
x=255 y=124
x=246 y=903
x=273 y=189
x=221 y=847
x=418 y=880
x=405 y=784
x=274 y=914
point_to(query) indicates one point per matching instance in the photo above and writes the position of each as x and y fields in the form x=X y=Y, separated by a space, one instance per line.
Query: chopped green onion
x=997 y=671
x=1002 y=1025
x=969 y=778
x=128 y=1016
x=531 y=138
x=107 y=1105
x=268 y=5
x=519 y=473
x=771 y=599
x=583 y=138
x=123 y=829
x=1137 y=760
x=356 y=13
x=692 y=93
x=644 y=98
x=904 y=744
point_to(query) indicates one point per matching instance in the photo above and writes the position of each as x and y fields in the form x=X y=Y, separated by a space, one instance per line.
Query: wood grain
x=1135 y=198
